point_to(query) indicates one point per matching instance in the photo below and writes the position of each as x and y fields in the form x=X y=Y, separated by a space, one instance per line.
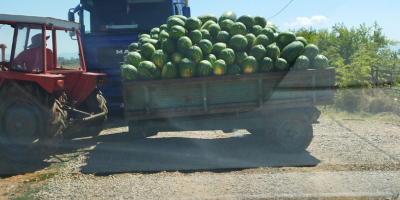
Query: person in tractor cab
x=32 y=58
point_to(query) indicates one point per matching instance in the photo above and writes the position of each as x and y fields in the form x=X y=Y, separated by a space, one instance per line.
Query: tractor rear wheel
x=31 y=122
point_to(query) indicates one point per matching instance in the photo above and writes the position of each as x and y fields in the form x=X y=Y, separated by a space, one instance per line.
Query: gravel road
x=348 y=158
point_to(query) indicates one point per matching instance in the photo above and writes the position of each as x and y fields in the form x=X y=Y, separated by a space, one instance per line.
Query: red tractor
x=45 y=95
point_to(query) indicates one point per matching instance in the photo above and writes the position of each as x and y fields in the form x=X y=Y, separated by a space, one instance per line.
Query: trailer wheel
x=31 y=122
x=293 y=132
x=94 y=103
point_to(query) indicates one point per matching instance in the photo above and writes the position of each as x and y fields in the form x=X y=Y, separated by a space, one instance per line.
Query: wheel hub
x=290 y=134
x=20 y=125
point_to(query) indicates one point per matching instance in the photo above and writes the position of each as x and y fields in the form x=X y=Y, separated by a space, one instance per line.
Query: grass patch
x=362 y=115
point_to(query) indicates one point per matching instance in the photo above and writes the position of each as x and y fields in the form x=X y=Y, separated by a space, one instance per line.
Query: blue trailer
x=108 y=27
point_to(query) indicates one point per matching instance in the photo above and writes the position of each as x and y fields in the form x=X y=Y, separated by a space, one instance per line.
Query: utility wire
x=281 y=10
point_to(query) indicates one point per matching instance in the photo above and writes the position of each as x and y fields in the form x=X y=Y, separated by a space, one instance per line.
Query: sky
x=299 y=13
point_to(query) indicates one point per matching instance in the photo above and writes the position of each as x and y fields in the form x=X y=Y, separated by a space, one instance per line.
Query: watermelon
x=155 y=36
x=238 y=43
x=320 y=62
x=206 y=34
x=250 y=39
x=163 y=35
x=272 y=51
x=223 y=37
x=133 y=58
x=206 y=46
x=175 y=21
x=129 y=73
x=258 y=52
x=301 y=62
x=208 y=17
x=292 y=51
x=159 y=58
x=302 y=40
x=177 y=32
x=227 y=15
x=194 y=53
x=193 y=23
x=214 y=29
x=256 y=30
x=218 y=47
x=147 y=50
x=261 y=39
x=247 y=20
x=281 y=65
x=187 y=68
x=148 y=71
x=234 y=69
x=163 y=27
x=266 y=65
x=210 y=58
x=183 y=44
x=155 y=30
x=204 y=68
x=219 y=67
x=133 y=47
x=169 y=46
x=250 y=65
x=207 y=25
x=181 y=17
x=238 y=28
x=286 y=38
x=269 y=33
x=240 y=56
x=228 y=55
x=226 y=25
x=310 y=51
x=169 y=71
x=154 y=42
x=195 y=36
x=260 y=21
x=176 y=57
x=144 y=35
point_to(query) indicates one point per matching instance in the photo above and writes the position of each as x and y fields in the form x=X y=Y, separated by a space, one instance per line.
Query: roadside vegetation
x=367 y=70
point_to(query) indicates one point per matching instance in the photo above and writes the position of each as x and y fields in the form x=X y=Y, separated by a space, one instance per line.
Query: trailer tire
x=292 y=133
x=31 y=122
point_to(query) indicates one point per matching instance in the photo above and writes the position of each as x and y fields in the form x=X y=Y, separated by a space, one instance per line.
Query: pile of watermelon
x=207 y=45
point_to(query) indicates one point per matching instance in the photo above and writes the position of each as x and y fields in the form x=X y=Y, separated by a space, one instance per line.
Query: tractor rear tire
x=31 y=122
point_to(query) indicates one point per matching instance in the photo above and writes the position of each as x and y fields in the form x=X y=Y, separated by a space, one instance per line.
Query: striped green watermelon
x=133 y=58
x=228 y=55
x=148 y=71
x=194 y=53
x=266 y=65
x=234 y=69
x=129 y=73
x=159 y=58
x=301 y=62
x=292 y=51
x=219 y=67
x=238 y=43
x=250 y=65
x=169 y=71
x=187 y=68
x=204 y=68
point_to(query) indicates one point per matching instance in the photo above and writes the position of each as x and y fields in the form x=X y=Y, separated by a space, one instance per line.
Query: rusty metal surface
x=227 y=94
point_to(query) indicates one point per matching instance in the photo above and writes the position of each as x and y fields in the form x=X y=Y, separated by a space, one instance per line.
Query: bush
x=371 y=100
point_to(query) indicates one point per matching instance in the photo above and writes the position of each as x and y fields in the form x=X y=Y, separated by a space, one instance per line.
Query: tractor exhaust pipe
x=3 y=52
